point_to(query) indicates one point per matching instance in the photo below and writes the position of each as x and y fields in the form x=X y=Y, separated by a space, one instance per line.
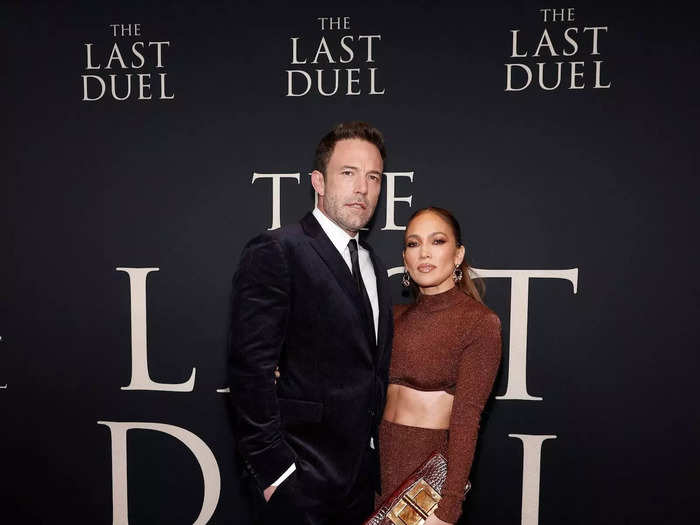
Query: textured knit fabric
x=402 y=449
x=449 y=342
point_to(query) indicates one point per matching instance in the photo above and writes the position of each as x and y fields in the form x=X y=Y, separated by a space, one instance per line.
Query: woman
x=447 y=348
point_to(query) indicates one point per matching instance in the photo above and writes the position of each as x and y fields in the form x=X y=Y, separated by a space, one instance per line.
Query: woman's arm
x=475 y=376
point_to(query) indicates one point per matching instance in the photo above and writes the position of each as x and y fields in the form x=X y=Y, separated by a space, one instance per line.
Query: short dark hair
x=343 y=131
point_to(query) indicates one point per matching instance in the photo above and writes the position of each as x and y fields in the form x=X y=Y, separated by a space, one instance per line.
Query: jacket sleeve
x=259 y=314
x=475 y=376
x=383 y=365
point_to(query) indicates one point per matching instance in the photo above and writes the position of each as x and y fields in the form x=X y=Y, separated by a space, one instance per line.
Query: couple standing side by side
x=313 y=300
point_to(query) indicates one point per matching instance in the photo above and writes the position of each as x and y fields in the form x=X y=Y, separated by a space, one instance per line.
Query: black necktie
x=352 y=246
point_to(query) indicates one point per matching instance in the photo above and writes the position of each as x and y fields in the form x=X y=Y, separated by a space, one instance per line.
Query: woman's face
x=431 y=253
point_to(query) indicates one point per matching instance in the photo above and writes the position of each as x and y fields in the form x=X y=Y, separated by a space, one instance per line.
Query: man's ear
x=318 y=182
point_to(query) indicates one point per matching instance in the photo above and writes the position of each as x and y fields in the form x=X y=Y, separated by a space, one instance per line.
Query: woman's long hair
x=472 y=286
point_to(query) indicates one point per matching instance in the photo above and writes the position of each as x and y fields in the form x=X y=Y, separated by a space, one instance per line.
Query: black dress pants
x=284 y=506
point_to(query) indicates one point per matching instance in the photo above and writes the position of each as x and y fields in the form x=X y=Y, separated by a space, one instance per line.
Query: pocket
x=294 y=411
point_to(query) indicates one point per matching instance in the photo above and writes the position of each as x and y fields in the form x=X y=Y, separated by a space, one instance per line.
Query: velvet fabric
x=295 y=304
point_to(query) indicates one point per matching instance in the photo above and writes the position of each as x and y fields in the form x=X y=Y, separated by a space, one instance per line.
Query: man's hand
x=267 y=493
x=434 y=520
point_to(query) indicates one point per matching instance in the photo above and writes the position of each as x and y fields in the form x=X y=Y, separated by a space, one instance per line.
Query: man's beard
x=345 y=217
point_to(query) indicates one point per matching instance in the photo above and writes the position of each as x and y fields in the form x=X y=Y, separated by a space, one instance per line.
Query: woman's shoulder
x=479 y=313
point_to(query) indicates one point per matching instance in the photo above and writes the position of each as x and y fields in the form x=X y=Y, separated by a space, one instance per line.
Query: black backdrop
x=600 y=180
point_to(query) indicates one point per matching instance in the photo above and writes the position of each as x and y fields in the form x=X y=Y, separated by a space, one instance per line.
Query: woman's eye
x=439 y=241
x=411 y=244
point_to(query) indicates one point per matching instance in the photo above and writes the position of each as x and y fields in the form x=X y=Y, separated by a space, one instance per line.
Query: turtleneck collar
x=441 y=300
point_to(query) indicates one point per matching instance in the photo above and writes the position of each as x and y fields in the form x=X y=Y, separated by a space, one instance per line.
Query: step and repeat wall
x=145 y=144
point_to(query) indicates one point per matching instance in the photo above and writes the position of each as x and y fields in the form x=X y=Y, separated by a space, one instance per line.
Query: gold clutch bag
x=417 y=497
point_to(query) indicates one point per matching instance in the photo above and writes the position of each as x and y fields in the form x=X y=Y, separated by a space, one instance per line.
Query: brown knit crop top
x=449 y=342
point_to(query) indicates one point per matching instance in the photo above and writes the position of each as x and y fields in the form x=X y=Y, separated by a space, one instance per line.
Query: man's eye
x=347 y=172
x=374 y=178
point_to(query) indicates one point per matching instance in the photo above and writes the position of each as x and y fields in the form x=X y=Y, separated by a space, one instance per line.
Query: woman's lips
x=425 y=268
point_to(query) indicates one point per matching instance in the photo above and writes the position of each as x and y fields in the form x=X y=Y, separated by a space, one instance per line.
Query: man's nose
x=361 y=185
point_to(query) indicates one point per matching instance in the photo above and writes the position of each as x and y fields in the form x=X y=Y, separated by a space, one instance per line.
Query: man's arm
x=259 y=314
x=383 y=365
x=269 y=491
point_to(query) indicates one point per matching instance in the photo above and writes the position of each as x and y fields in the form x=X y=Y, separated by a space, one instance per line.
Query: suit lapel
x=335 y=262
x=384 y=301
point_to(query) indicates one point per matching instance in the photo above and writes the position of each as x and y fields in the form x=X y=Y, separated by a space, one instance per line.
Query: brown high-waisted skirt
x=402 y=449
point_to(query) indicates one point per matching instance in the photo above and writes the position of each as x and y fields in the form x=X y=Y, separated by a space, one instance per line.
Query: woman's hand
x=434 y=520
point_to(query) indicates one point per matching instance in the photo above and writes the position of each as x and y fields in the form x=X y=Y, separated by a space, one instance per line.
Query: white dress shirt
x=340 y=238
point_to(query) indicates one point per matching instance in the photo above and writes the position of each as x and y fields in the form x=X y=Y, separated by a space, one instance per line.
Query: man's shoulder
x=289 y=234
x=285 y=237
x=273 y=250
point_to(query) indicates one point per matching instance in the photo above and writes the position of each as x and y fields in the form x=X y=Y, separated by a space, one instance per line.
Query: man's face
x=349 y=192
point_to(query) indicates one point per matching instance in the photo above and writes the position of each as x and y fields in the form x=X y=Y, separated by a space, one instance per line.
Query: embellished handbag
x=417 y=497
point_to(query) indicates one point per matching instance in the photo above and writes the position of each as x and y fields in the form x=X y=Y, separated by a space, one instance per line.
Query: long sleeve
x=259 y=312
x=475 y=376
x=384 y=362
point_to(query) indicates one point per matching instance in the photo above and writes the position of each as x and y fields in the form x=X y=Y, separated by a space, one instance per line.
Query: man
x=309 y=299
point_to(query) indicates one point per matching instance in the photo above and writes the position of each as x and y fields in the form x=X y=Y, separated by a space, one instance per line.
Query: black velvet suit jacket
x=295 y=304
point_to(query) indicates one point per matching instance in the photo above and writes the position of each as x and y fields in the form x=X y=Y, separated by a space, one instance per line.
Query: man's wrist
x=284 y=475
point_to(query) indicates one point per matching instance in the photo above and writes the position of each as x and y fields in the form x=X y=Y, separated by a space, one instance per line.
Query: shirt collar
x=338 y=237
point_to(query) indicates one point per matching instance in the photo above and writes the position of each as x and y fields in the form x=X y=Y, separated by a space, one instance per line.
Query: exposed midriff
x=418 y=408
